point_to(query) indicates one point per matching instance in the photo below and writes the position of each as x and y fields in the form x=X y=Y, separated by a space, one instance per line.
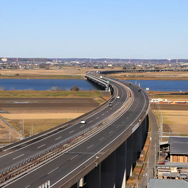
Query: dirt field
x=79 y=73
x=65 y=73
x=175 y=121
x=152 y=76
x=39 y=114
x=50 y=105
x=175 y=116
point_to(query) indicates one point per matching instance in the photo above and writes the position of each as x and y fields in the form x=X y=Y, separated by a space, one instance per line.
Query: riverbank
x=152 y=76
x=79 y=73
x=37 y=111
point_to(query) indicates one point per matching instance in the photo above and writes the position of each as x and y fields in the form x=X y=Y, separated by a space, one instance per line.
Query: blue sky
x=94 y=28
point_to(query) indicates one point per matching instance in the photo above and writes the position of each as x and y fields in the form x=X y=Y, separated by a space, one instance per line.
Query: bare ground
x=79 y=73
x=37 y=115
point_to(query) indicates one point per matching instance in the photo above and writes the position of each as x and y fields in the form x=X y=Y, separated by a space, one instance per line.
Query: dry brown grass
x=39 y=125
x=152 y=76
x=70 y=72
x=42 y=116
x=176 y=120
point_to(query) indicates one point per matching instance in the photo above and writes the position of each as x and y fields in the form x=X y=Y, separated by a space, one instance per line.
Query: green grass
x=49 y=94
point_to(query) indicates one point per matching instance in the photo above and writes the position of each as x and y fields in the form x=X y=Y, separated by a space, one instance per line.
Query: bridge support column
x=145 y=128
x=93 y=178
x=108 y=172
x=135 y=148
x=76 y=185
x=140 y=140
x=129 y=156
x=81 y=182
x=121 y=163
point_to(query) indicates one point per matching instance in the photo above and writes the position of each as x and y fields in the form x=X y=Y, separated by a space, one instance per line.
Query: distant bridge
x=98 y=154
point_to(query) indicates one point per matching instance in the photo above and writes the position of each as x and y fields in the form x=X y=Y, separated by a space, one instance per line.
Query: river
x=54 y=84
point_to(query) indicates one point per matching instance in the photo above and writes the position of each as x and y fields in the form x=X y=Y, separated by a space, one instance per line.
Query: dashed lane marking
x=41 y=146
x=17 y=156
x=58 y=138
x=53 y=170
x=90 y=146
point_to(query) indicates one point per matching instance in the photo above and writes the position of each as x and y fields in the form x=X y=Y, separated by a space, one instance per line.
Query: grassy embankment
x=34 y=126
x=49 y=94
x=14 y=76
x=152 y=76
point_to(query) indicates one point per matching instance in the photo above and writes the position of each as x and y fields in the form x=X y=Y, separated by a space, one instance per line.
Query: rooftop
x=178 y=145
x=167 y=183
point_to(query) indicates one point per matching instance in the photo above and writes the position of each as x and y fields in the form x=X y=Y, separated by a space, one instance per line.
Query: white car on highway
x=83 y=121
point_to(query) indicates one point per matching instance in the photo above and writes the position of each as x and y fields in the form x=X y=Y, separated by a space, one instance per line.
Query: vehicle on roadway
x=118 y=97
x=83 y=121
x=110 y=104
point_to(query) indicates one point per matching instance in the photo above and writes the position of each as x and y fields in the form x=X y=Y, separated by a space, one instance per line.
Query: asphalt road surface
x=32 y=148
x=70 y=163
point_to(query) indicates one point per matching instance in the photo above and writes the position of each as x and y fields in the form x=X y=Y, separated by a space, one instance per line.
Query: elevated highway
x=105 y=131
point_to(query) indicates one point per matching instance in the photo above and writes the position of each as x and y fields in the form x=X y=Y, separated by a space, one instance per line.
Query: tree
x=75 y=88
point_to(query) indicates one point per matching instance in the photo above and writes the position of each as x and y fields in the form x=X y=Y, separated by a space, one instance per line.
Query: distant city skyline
x=130 y=29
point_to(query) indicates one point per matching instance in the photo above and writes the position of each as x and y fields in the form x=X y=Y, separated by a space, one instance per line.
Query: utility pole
x=32 y=129
x=155 y=161
x=23 y=127
x=9 y=134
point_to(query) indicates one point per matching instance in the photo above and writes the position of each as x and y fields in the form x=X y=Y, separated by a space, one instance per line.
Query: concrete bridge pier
x=135 y=148
x=121 y=163
x=93 y=178
x=140 y=140
x=108 y=167
x=145 y=124
x=76 y=185
x=114 y=171
x=129 y=157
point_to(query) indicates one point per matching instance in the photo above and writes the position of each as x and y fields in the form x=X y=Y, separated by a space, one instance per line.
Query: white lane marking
x=101 y=138
x=18 y=156
x=110 y=132
x=97 y=118
x=103 y=114
x=91 y=121
x=27 y=186
x=106 y=111
x=72 y=170
x=117 y=126
x=122 y=121
x=41 y=146
x=90 y=146
x=71 y=131
x=46 y=136
x=73 y=157
x=81 y=126
x=53 y=170
x=58 y=138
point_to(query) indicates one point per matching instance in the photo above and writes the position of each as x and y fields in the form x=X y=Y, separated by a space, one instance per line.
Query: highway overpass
x=100 y=153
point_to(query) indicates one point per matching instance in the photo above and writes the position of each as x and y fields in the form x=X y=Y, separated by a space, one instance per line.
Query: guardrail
x=62 y=143
x=28 y=160
x=12 y=128
x=59 y=127
x=101 y=81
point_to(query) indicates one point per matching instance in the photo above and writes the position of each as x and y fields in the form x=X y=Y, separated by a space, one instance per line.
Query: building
x=178 y=149
x=167 y=183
